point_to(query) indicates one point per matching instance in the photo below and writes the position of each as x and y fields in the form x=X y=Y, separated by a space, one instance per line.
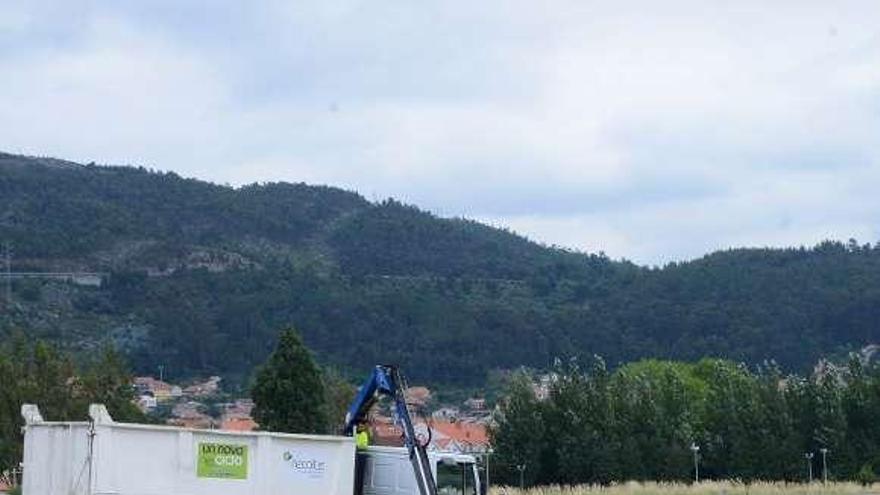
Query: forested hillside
x=200 y=277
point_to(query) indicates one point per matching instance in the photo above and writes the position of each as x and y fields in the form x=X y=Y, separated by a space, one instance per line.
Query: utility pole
x=522 y=469
x=696 y=450
x=809 y=457
x=824 y=452
x=8 y=274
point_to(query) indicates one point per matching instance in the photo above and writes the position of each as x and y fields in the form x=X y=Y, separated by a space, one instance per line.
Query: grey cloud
x=645 y=131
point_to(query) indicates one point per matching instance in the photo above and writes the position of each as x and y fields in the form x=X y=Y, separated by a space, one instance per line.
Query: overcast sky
x=649 y=130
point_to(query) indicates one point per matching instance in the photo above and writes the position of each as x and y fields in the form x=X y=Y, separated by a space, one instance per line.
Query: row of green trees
x=292 y=393
x=641 y=421
x=36 y=373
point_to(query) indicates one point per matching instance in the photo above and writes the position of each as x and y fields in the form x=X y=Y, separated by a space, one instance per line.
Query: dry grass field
x=706 y=488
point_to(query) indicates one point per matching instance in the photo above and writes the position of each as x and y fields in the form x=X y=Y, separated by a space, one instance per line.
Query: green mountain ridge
x=202 y=276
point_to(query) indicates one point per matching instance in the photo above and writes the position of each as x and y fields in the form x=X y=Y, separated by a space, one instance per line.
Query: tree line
x=38 y=373
x=652 y=420
x=580 y=423
x=292 y=393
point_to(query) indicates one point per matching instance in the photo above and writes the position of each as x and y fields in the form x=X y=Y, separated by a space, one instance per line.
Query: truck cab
x=388 y=471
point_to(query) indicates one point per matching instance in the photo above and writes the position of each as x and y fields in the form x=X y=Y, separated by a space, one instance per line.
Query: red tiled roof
x=445 y=434
x=462 y=432
x=239 y=424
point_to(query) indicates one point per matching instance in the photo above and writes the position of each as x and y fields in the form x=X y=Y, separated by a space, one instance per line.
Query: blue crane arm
x=381 y=382
x=386 y=380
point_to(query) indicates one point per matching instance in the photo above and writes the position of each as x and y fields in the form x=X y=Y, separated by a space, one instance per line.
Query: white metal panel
x=59 y=454
x=155 y=460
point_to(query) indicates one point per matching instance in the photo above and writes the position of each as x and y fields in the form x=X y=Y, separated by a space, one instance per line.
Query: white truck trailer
x=102 y=457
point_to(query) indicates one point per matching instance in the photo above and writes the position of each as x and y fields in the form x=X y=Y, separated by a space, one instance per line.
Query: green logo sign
x=222 y=460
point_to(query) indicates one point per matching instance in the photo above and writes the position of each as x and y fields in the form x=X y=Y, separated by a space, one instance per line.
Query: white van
x=388 y=471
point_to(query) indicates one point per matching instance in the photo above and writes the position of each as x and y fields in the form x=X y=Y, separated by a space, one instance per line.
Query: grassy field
x=706 y=488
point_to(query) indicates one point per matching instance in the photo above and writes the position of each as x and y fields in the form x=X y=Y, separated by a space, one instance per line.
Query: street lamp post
x=824 y=452
x=522 y=469
x=489 y=452
x=809 y=457
x=696 y=450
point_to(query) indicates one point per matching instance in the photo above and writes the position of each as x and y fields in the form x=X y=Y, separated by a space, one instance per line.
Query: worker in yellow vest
x=362 y=438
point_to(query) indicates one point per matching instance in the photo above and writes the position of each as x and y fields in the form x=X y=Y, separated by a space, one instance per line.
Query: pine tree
x=288 y=391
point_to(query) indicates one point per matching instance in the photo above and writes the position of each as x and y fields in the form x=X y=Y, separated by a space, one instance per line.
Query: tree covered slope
x=202 y=276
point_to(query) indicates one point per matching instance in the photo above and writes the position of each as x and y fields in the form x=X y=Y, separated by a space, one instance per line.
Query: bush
x=866 y=475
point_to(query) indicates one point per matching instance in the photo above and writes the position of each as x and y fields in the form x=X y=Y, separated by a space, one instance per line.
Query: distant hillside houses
x=204 y=389
x=147 y=386
x=189 y=405
x=191 y=414
x=447 y=413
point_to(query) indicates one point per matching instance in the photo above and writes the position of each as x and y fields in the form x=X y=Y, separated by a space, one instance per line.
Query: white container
x=102 y=457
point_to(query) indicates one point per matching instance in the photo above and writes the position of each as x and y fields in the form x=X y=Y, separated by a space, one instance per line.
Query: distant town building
x=147 y=403
x=189 y=409
x=446 y=413
x=475 y=404
x=162 y=391
x=189 y=415
x=203 y=389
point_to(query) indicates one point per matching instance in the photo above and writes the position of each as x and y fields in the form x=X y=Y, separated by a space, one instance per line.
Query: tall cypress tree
x=288 y=391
